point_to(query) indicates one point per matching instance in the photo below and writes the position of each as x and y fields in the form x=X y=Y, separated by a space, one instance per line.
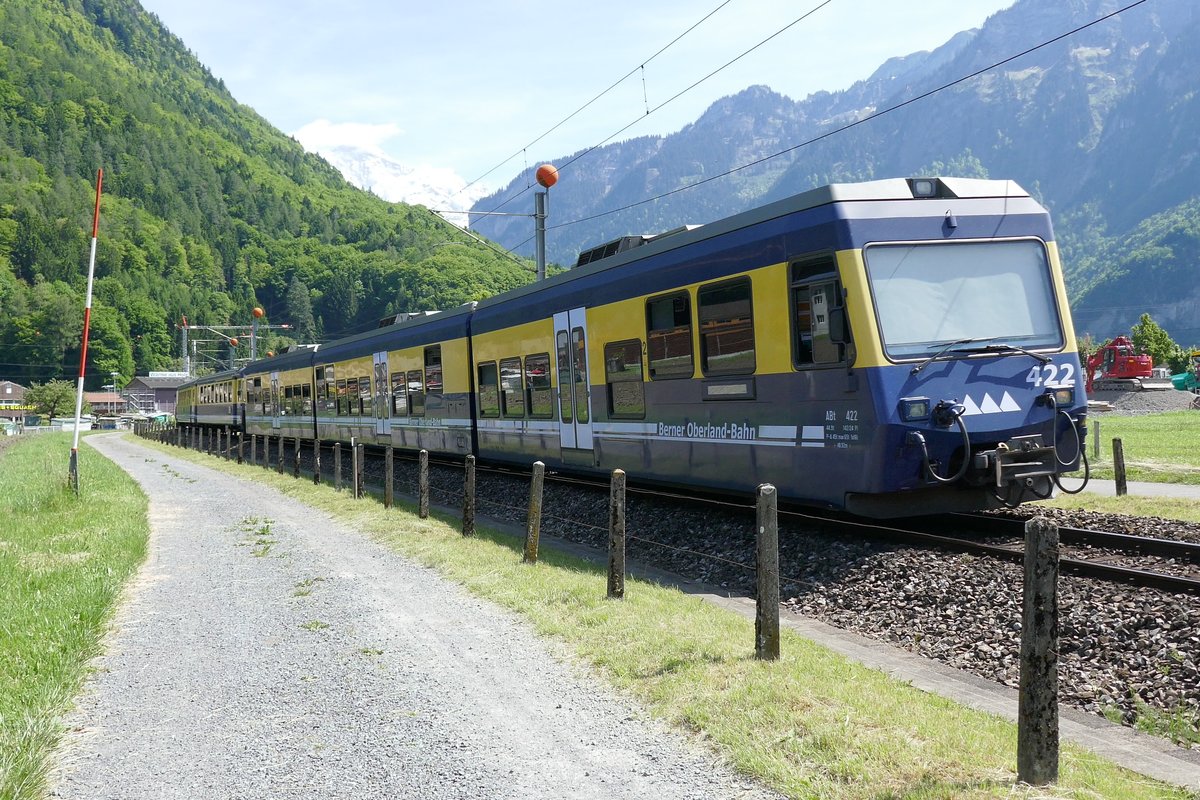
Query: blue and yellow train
x=888 y=348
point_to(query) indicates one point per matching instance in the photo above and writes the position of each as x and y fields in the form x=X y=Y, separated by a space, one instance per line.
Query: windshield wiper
x=1007 y=348
x=945 y=349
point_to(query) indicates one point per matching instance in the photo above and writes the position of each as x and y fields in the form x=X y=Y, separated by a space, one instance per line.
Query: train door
x=383 y=396
x=574 y=392
x=276 y=402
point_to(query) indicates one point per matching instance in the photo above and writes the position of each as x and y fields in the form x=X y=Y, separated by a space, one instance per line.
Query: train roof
x=213 y=378
x=448 y=324
x=890 y=189
x=298 y=356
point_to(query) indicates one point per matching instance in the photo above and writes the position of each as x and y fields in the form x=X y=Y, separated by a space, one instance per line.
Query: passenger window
x=669 y=336
x=306 y=395
x=342 y=407
x=416 y=393
x=352 y=396
x=366 y=402
x=817 y=309
x=512 y=389
x=579 y=369
x=287 y=400
x=489 y=390
x=564 y=377
x=433 y=369
x=726 y=328
x=399 y=395
x=539 y=395
x=623 y=374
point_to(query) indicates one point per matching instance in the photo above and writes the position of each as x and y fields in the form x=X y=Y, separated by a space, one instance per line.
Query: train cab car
x=279 y=394
x=215 y=400
x=405 y=384
x=889 y=348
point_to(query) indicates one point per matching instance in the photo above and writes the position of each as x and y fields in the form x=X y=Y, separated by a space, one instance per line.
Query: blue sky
x=463 y=86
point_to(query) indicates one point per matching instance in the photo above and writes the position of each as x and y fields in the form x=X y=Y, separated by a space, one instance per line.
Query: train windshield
x=930 y=294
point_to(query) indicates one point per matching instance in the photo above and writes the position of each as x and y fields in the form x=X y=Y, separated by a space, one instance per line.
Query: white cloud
x=320 y=135
x=356 y=150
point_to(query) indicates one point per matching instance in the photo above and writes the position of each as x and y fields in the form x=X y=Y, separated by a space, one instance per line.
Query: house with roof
x=12 y=400
x=154 y=393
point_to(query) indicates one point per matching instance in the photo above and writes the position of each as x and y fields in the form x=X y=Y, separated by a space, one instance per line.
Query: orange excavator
x=1116 y=367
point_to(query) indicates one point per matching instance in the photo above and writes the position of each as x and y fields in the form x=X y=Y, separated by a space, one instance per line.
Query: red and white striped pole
x=87 y=320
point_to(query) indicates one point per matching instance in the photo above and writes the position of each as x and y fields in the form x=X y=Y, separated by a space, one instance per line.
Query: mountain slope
x=207 y=211
x=1100 y=125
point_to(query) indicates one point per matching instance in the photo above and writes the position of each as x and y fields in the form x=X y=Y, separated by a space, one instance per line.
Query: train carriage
x=212 y=401
x=884 y=347
x=407 y=384
x=279 y=394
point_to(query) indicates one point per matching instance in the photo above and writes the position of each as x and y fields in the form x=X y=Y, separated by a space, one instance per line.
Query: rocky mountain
x=1099 y=124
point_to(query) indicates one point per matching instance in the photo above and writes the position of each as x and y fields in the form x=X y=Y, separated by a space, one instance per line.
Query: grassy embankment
x=1164 y=448
x=813 y=725
x=63 y=562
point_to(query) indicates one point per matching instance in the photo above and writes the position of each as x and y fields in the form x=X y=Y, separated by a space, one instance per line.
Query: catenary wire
x=854 y=124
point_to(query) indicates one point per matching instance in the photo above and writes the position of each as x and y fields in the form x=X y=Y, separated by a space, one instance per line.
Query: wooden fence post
x=241 y=448
x=227 y=453
x=616 y=536
x=389 y=477
x=359 y=471
x=533 y=527
x=1037 y=711
x=1119 y=467
x=337 y=466
x=766 y=618
x=282 y=455
x=468 y=519
x=296 y=460
x=316 y=462
x=1096 y=439
x=423 y=484
x=254 y=450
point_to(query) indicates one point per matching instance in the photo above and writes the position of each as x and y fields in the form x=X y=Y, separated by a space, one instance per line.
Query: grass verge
x=1160 y=448
x=812 y=725
x=63 y=561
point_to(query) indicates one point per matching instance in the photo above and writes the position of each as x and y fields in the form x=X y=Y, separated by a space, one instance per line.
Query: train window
x=307 y=403
x=399 y=395
x=726 y=328
x=564 y=377
x=816 y=300
x=366 y=405
x=416 y=393
x=579 y=370
x=433 y=369
x=669 y=336
x=623 y=374
x=512 y=389
x=352 y=396
x=489 y=390
x=342 y=408
x=539 y=395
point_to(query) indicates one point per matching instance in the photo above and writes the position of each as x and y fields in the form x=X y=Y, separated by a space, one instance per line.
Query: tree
x=1151 y=339
x=299 y=310
x=52 y=399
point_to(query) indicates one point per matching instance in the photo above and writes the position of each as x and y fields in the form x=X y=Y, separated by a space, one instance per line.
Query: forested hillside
x=207 y=209
x=1100 y=125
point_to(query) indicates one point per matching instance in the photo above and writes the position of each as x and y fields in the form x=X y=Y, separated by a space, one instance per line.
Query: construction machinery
x=1117 y=367
x=1189 y=379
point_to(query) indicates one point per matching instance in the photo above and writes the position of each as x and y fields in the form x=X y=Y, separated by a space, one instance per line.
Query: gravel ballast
x=267 y=651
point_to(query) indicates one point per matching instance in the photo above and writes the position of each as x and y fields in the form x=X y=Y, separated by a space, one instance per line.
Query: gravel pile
x=1125 y=654
x=1145 y=402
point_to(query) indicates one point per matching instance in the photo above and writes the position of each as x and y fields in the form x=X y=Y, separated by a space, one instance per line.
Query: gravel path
x=302 y=660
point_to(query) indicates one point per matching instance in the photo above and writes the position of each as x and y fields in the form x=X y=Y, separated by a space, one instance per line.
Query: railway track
x=1171 y=566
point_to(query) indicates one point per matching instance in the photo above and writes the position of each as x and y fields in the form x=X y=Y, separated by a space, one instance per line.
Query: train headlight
x=924 y=187
x=1063 y=398
x=914 y=408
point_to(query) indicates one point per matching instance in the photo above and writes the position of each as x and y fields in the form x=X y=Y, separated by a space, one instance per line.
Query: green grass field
x=1163 y=448
x=63 y=562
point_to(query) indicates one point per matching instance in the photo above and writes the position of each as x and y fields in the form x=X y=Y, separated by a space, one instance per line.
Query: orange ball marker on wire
x=547 y=175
